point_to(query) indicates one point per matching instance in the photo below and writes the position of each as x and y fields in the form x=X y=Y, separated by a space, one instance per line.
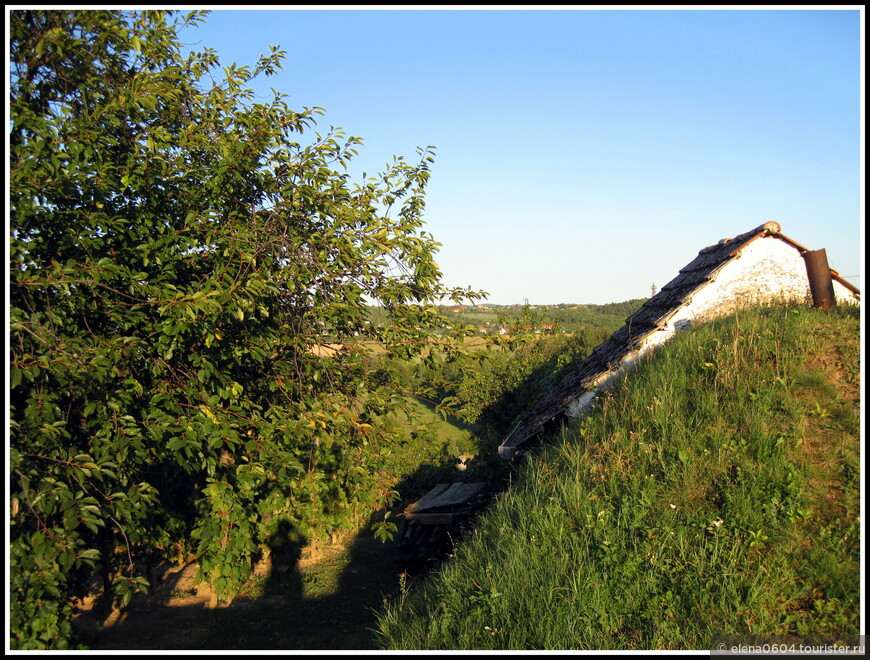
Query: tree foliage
x=177 y=253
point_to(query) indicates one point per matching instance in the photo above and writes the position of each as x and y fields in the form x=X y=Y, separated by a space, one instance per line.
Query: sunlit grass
x=714 y=490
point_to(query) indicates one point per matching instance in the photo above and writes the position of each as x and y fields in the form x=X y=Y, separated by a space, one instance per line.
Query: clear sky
x=585 y=155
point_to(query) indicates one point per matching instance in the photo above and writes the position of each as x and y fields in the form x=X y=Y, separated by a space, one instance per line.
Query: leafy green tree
x=177 y=255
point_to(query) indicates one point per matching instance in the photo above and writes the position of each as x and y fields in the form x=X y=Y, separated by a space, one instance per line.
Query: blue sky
x=584 y=155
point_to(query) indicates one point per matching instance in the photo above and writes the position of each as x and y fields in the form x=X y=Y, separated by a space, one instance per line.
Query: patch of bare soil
x=170 y=616
x=826 y=445
x=326 y=601
x=841 y=370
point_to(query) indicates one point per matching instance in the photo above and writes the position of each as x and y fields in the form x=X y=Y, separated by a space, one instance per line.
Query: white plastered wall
x=844 y=295
x=766 y=270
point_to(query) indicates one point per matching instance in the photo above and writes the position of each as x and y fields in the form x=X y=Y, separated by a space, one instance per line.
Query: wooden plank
x=423 y=502
x=431 y=518
x=455 y=494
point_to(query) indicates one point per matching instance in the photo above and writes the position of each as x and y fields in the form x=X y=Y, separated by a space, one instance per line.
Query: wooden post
x=819 y=274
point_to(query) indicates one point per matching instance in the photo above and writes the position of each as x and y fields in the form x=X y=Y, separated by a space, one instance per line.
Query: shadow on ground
x=328 y=602
x=293 y=611
x=324 y=601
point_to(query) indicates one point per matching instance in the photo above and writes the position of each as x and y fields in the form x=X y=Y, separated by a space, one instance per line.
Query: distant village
x=504 y=314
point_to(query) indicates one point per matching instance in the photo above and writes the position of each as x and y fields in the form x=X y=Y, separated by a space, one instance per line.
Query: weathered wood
x=432 y=518
x=444 y=496
x=435 y=522
x=422 y=503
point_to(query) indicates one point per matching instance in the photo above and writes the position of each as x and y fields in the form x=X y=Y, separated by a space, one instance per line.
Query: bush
x=176 y=256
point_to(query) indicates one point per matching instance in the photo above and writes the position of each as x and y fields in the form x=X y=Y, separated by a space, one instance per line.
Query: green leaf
x=165 y=293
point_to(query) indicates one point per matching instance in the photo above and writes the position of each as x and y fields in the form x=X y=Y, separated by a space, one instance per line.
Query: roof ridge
x=656 y=312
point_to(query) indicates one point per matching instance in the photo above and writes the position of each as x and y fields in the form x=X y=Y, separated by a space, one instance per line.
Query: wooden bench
x=433 y=522
x=442 y=503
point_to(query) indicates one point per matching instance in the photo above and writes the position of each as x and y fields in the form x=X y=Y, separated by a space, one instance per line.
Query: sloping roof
x=651 y=317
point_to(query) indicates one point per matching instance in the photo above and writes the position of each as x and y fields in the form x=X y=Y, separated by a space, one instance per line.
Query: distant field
x=331 y=348
x=569 y=317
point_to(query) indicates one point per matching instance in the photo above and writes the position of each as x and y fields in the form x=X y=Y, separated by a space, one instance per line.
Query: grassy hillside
x=713 y=491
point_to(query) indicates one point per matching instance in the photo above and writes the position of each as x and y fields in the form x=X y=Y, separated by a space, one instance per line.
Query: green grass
x=715 y=490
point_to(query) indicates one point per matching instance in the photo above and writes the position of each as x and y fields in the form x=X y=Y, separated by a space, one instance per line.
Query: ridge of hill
x=714 y=490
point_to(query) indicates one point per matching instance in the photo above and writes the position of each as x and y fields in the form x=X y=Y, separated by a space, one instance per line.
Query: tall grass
x=714 y=490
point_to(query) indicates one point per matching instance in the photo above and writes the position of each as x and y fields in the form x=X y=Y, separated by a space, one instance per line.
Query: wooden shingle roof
x=651 y=317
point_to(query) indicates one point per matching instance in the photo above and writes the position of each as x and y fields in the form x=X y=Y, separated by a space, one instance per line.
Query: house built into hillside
x=761 y=266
